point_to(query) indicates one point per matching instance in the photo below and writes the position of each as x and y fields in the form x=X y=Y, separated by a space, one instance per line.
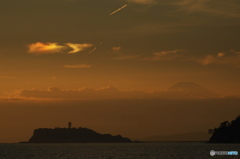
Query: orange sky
x=87 y=50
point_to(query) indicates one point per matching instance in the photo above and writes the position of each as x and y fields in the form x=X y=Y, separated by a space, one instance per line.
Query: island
x=227 y=132
x=74 y=135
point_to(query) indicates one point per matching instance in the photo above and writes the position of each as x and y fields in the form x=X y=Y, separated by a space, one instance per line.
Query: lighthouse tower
x=69 y=125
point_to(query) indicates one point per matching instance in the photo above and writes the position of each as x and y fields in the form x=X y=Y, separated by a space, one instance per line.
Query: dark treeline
x=227 y=132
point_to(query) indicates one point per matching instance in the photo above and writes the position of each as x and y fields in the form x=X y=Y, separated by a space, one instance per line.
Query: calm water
x=115 y=151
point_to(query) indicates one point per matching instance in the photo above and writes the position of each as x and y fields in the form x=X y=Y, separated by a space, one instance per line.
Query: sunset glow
x=134 y=67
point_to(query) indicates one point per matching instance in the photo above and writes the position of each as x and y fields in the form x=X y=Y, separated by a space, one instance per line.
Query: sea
x=159 y=150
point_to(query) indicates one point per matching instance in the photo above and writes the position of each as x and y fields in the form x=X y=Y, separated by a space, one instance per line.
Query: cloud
x=45 y=48
x=49 y=48
x=229 y=58
x=7 y=77
x=221 y=54
x=121 y=56
x=220 y=7
x=164 y=55
x=118 y=9
x=78 y=47
x=235 y=52
x=10 y=100
x=116 y=48
x=82 y=94
x=192 y=5
x=208 y=60
x=182 y=90
x=144 y=2
x=78 y=66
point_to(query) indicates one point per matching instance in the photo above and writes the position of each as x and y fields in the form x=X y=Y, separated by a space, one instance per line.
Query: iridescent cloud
x=164 y=55
x=41 y=48
x=78 y=47
x=49 y=48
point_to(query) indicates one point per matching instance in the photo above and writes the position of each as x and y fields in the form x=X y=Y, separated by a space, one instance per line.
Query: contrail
x=118 y=10
x=92 y=50
x=95 y=48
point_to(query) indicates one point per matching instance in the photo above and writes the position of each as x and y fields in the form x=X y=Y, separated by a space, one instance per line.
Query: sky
x=88 y=56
